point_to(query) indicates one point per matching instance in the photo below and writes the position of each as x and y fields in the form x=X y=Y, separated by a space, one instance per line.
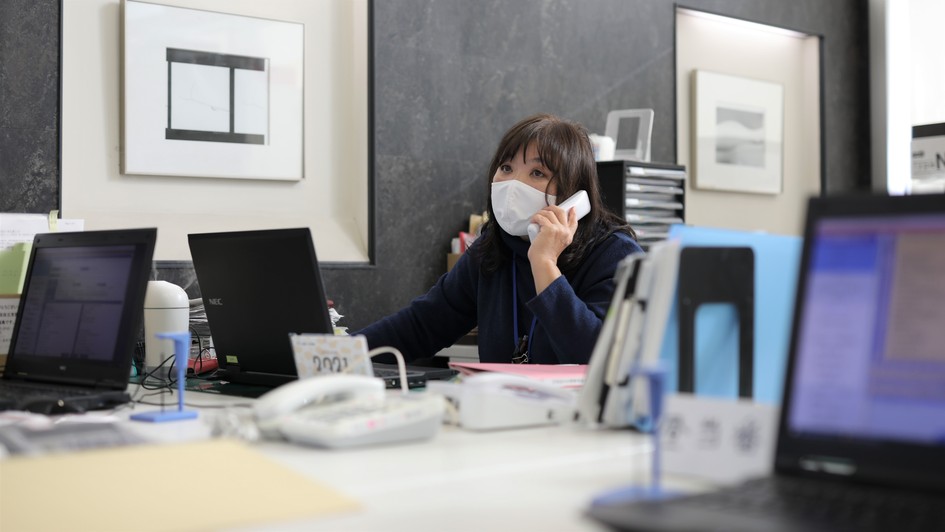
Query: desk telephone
x=491 y=400
x=581 y=204
x=345 y=410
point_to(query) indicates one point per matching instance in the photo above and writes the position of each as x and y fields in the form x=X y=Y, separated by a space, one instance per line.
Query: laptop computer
x=861 y=439
x=78 y=320
x=259 y=286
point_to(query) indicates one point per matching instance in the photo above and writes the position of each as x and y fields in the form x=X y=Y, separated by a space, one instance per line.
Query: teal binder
x=716 y=338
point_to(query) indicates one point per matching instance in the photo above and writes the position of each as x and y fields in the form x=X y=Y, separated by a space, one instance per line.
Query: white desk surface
x=524 y=479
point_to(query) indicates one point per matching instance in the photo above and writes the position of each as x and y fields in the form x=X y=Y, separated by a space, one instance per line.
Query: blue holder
x=181 y=352
x=656 y=378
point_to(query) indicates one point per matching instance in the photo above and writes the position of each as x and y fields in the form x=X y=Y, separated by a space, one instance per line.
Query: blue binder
x=717 y=325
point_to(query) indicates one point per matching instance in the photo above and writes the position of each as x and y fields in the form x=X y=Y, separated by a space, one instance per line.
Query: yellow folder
x=208 y=485
x=13 y=263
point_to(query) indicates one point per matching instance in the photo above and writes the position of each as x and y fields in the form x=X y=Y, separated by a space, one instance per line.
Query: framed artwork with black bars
x=210 y=94
x=238 y=83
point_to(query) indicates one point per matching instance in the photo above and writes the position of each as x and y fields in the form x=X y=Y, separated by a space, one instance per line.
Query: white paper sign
x=69 y=225
x=721 y=440
x=8 y=307
x=322 y=354
x=16 y=228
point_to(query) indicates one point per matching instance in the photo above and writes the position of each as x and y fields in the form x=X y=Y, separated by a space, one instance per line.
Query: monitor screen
x=871 y=336
x=75 y=302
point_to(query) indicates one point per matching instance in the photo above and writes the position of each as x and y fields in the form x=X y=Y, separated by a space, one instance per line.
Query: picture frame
x=631 y=130
x=738 y=133
x=210 y=94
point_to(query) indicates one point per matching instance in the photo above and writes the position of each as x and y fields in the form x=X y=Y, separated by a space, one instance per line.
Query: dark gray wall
x=29 y=105
x=450 y=76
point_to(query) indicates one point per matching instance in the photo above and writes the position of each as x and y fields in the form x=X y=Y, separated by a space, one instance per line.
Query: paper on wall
x=21 y=228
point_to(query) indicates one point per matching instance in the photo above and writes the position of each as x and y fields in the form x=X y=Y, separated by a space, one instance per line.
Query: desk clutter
x=460 y=243
x=862 y=372
x=724 y=352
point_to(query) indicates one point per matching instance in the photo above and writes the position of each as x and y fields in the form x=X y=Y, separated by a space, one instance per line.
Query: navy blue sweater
x=569 y=312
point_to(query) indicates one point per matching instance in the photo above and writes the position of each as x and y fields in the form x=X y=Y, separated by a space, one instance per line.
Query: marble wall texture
x=450 y=76
x=29 y=105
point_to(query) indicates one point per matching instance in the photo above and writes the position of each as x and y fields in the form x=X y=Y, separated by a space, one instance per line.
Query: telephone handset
x=581 y=204
x=274 y=405
x=344 y=410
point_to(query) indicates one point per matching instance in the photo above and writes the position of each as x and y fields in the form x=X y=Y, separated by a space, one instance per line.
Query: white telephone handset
x=491 y=400
x=344 y=410
x=581 y=204
x=272 y=407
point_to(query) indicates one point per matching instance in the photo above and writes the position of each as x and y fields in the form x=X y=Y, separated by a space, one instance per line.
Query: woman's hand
x=557 y=232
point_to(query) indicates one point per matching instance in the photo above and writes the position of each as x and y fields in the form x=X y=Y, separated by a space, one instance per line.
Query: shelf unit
x=649 y=196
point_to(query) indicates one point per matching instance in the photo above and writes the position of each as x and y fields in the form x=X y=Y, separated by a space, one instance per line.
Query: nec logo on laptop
x=215 y=301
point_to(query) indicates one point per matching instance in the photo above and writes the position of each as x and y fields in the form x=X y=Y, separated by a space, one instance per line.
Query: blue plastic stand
x=181 y=351
x=654 y=491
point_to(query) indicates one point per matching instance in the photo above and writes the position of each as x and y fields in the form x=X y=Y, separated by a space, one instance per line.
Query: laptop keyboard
x=54 y=399
x=386 y=373
x=828 y=505
x=32 y=389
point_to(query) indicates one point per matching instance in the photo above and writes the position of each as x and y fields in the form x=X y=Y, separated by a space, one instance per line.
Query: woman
x=543 y=301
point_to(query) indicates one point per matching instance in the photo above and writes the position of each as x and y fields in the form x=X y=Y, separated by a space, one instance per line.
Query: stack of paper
x=563 y=375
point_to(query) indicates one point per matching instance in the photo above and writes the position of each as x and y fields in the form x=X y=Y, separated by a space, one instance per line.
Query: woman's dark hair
x=565 y=149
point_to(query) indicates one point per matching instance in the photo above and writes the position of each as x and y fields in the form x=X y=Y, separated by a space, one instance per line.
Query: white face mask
x=515 y=203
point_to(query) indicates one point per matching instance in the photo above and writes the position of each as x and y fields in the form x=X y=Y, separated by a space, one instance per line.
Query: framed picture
x=211 y=94
x=738 y=130
x=631 y=130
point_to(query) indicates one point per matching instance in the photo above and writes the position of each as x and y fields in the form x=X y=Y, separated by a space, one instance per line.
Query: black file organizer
x=716 y=275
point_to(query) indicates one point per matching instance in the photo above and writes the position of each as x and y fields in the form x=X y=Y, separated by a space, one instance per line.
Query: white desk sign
x=720 y=440
x=323 y=354
x=8 y=307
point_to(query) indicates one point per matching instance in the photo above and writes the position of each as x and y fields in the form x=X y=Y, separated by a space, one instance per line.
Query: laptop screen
x=257 y=287
x=75 y=302
x=871 y=351
x=867 y=383
x=81 y=307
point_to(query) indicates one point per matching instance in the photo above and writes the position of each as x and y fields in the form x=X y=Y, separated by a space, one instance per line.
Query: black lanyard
x=523 y=343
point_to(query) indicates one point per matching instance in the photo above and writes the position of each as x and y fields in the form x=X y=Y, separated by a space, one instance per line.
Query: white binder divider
x=630 y=340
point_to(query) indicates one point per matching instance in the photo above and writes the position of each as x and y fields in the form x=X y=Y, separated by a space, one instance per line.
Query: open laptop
x=861 y=441
x=259 y=286
x=77 y=321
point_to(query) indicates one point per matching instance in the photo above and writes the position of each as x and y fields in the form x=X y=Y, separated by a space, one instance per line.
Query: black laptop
x=259 y=286
x=77 y=321
x=861 y=441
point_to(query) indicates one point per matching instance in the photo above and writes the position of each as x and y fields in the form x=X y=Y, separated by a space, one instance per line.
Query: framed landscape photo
x=211 y=94
x=738 y=129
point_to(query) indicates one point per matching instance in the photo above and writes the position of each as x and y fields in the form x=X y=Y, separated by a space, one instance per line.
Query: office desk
x=527 y=479
x=524 y=479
